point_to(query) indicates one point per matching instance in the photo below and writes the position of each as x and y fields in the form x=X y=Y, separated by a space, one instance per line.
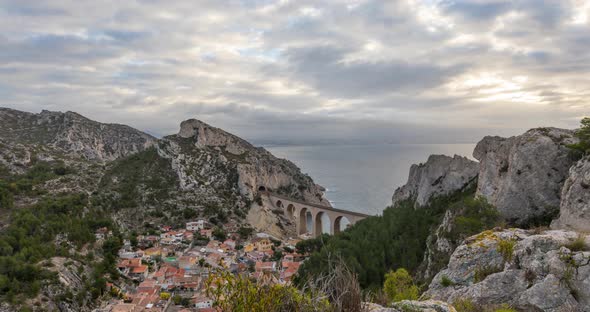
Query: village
x=167 y=270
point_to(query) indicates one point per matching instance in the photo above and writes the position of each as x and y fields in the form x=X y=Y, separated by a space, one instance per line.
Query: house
x=202 y=302
x=263 y=244
x=265 y=266
x=196 y=225
x=249 y=248
x=289 y=272
x=207 y=233
x=139 y=272
x=102 y=233
x=231 y=243
x=124 y=307
x=153 y=252
x=133 y=268
x=147 y=286
x=186 y=262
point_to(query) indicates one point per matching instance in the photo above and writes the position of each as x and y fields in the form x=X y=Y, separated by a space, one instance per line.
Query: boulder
x=574 y=211
x=523 y=269
x=523 y=175
x=411 y=305
x=440 y=175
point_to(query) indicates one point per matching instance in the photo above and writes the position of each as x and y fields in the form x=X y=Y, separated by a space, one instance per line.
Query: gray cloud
x=276 y=70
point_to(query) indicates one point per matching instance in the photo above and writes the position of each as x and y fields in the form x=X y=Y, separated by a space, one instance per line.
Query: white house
x=195 y=225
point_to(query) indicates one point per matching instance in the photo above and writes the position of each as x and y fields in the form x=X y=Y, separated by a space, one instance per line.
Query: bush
x=466 y=305
x=240 y=294
x=219 y=234
x=506 y=248
x=482 y=272
x=399 y=286
x=445 y=281
x=583 y=134
x=578 y=244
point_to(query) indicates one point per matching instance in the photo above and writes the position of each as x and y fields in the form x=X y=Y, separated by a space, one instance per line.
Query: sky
x=297 y=71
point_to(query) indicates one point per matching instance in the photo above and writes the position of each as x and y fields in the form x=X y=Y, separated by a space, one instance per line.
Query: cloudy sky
x=395 y=71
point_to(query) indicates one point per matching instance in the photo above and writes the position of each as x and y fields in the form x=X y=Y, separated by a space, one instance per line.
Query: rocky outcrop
x=546 y=271
x=523 y=175
x=574 y=211
x=440 y=175
x=197 y=145
x=209 y=172
x=414 y=306
x=72 y=134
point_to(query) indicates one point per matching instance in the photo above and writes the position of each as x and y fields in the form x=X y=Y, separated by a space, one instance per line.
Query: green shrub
x=583 y=134
x=399 y=286
x=466 y=305
x=445 y=281
x=482 y=272
x=506 y=248
x=240 y=294
x=578 y=244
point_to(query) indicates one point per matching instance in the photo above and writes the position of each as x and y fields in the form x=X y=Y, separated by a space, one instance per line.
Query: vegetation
x=399 y=286
x=466 y=305
x=473 y=215
x=337 y=290
x=445 y=281
x=24 y=243
x=506 y=248
x=142 y=176
x=56 y=226
x=240 y=294
x=583 y=134
x=376 y=245
x=578 y=244
x=482 y=272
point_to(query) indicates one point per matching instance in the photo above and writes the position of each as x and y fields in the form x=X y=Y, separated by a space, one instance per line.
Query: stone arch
x=302 y=220
x=291 y=211
x=341 y=223
x=322 y=223
x=279 y=204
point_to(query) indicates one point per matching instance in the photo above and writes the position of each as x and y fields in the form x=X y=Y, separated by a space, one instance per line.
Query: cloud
x=408 y=70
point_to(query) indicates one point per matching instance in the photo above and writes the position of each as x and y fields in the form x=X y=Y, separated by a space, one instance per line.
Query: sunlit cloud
x=262 y=68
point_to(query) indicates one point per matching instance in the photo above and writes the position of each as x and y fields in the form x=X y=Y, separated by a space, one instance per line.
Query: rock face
x=72 y=134
x=525 y=270
x=414 y=306
x=574 y=211
x=523 y=175
x=211 y=173
x=254 y=167
x=440 y=175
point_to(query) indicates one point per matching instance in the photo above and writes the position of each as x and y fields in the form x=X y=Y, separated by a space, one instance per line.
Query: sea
x=362 y=178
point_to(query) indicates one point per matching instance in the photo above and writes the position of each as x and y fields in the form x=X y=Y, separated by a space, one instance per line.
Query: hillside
x=63 y=177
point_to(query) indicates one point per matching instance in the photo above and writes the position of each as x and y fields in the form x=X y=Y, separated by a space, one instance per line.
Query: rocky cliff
x=574 y=209
x=523 y=175
x=527 y=270
x=255 y=167
x=71 y=134
x=204 y=171
x=440 y=175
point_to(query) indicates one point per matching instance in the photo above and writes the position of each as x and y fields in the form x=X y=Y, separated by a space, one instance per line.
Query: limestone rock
x=440 y=175
x=410 y=305
x=574 y=211
x=199 y=145
x=72 y=134
x=523 y=175
x=539 y=274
